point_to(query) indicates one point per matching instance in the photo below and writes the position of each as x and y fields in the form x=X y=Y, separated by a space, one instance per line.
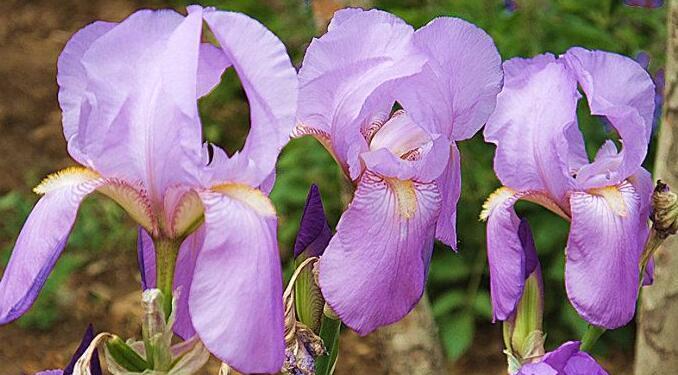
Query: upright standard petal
x=72 y=80
x=530 y=126
x=603 y=254
x=183 y=274
x=618 y=88
x=42 y=239
x=343 y=68
x=457 y=91
x=270 y=82
x=138 y=117
x=402 y=149
x=374 y=270
x=236 y=296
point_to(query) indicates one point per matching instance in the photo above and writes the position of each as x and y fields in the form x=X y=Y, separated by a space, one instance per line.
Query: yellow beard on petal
x=495 y=199
x=66 y=177
x=406 y=196
x=248 y=195
x=503 y=193
x=614 y=198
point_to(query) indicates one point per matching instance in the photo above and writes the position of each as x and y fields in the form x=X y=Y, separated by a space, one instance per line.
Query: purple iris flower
x=540 y=157
x=95 y=365
x=644 y=3
x=404 y=163
x=129 y=94
x=566 y=360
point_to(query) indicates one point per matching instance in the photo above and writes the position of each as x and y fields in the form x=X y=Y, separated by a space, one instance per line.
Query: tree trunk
x=657 y=340
x=412 y=346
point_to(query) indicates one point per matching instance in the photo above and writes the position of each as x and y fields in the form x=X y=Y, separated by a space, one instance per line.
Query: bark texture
x=657 y=340
x=412 y=346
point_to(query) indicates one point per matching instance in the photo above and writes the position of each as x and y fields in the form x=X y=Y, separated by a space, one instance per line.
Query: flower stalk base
x=166 y=251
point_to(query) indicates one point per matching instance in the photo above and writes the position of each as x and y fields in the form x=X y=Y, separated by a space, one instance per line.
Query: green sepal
x=308 y=299
x=528 y=318
x=125 y=356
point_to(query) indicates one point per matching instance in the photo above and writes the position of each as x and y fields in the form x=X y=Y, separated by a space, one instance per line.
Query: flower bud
x=300 y=355
x=525 y=328
x=302 y=344
x=312 y=239
x=523 y=334
x=664 y=210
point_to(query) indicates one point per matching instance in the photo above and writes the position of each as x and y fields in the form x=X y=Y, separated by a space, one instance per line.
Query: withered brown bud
x=300 y=354
x=664 y=210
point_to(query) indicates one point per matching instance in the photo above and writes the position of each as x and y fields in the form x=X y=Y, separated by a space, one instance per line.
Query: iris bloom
x=566 y=360
x=404 y=163
x=540 y=157
x=129 y=95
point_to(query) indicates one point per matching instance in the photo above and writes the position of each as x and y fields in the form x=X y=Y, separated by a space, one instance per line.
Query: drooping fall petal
x=505 y=253
x=42 y=239
x=235 y=300
x=603 y=253
x=374 y=270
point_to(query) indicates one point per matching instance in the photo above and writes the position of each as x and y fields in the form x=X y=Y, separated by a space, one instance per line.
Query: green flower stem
x=166 y=251
x=329 y=332
x=590 y=338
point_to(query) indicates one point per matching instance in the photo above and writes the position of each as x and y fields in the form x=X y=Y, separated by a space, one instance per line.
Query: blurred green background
x=458 y=283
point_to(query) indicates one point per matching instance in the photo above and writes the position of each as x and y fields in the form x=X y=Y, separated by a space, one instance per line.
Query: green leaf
x=482 y=305
x=449 y=302
x=457 y=334
x=329 y=333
